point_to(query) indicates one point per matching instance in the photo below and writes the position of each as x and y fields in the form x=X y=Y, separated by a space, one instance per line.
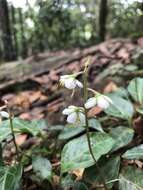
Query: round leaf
x=120 y=108
x=122 y=137
x=109 y=168
x=131 y=178
x=42 y=167
x=134 y=153
x=76 y=153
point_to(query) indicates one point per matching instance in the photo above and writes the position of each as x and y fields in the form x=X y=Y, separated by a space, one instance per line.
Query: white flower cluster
x=76 y=114
x=99 y=100
x=70 y=81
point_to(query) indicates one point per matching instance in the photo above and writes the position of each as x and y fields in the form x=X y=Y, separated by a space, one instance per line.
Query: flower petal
x=79 y=84
x=102 y=102
x=91 y=102
x=67 y=111
x=72 y=107
x=70 y=83
x=4 y=114
x=82 y=118
x=63 y=77
x=72 y=118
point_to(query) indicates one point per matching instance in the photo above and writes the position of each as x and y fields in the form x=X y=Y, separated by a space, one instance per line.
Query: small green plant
x=103 y=154
x=107 y=149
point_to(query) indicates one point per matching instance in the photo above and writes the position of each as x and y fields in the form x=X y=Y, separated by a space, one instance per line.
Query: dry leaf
x=110 y=87
x=78 y=173
x=138 y=125
x=20 y=139
x=94 y=111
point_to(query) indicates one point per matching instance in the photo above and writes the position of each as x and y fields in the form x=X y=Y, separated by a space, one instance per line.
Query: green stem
x=93 y=91
x=13 y=135
x=130 y=123
x=87 y=129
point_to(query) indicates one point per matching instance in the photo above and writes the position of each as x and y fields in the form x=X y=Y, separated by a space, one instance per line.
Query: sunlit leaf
x=109 y=168
x=75 y=153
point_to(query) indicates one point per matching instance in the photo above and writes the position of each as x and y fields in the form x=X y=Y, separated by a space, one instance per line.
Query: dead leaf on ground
x=110 y=87
x=20 y=139
x=123 y=53
x=78 y=173
x=94 y=111
x=138 y=125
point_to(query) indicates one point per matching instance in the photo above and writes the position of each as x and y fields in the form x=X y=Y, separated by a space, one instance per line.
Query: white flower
x=4 y=114
x=103 y=101
x=70 y=81
x=99 y=100
x=74 y=114
x=91 y=102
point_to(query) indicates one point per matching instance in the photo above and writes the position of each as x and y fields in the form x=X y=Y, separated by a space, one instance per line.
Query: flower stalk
x=85 y=91
x=12 y=131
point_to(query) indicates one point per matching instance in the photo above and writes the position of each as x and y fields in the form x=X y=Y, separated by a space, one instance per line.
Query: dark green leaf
x=109 y=168
x=134 y=153
x=120 y=108
x=135 y=89
x=42 y=167
x=122 y=92
x=68 y=181
x=95 y=124
x=70 y=131
x=20 y=126
x=122 y=136
x=10 y=177
x=131 y=178
x=75 y=153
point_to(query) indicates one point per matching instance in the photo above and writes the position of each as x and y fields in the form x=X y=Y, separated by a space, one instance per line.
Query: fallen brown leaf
x=20 y=139
x=110 y=87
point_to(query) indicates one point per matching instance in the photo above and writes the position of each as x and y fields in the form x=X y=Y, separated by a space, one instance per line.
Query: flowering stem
x=12 y=132
x=87 y=128
x=93 y=91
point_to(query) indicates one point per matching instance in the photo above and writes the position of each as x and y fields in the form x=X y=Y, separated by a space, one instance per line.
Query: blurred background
x=28 y=27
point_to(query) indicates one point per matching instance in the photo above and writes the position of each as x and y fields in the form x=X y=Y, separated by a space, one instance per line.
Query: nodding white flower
x=70 y=81
x=74 y=114
x=103 y=101
x=4 y=114
x=91 y=102
x=100 y=100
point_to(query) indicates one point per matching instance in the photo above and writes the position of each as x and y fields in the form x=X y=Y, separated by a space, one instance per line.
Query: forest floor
x=32 y=86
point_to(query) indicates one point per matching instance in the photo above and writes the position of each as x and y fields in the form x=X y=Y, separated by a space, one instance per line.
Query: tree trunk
x=103 y=11
x=14 y=31
x=6 y=31
x=139 y=25
x=23 y=40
